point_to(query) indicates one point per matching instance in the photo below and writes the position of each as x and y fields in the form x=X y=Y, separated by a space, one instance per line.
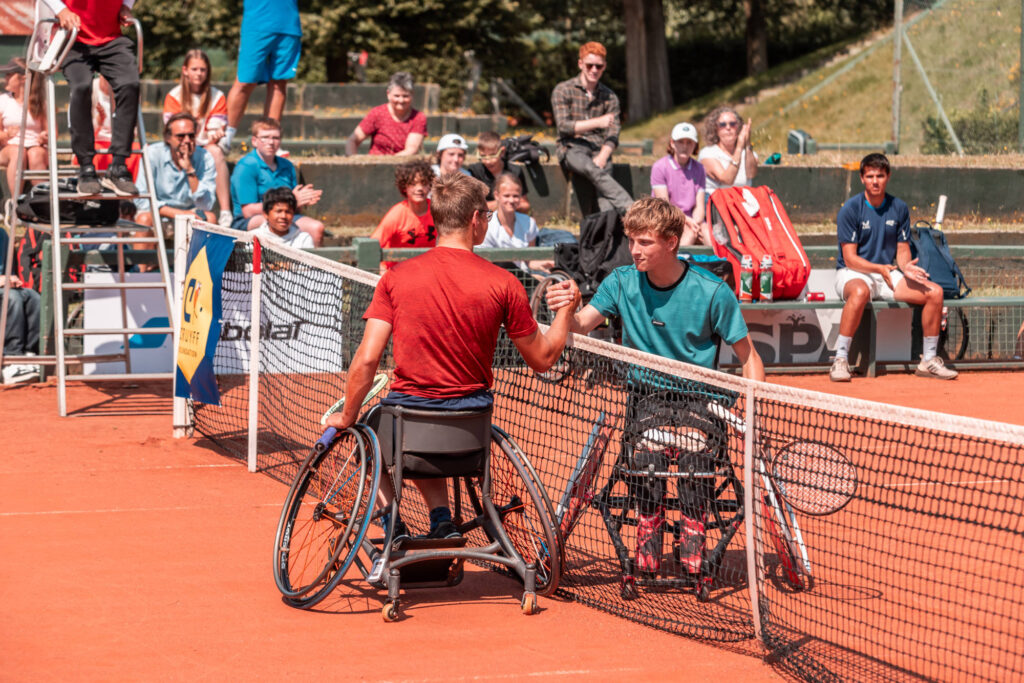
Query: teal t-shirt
x=684 y=322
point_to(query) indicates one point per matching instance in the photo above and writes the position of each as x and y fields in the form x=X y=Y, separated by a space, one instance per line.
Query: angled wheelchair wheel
x=325 y=518
x=541 y=312
x=526 y=511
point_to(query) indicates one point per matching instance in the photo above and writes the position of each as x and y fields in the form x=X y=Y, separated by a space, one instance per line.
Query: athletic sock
x=229 y=135
x=843 y=346
x=438 y=515
x=931 y=347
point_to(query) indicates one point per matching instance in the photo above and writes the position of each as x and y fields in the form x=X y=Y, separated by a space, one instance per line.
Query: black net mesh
x=916 y=577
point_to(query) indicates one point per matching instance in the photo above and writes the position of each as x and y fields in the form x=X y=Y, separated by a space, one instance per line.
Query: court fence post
x=368 y=254
x=750 y=530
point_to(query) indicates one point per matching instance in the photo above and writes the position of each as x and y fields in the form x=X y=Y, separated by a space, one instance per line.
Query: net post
x=750 y=531
x=254 y=354
x=182 y=426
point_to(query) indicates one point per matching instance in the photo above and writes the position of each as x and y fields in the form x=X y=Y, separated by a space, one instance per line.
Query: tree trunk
x=757 y=37
x=647 y=71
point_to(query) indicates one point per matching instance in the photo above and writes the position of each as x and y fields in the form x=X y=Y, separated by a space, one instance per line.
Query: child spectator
x=451 y=152
x=394 y=128
x=510 y=229
x=679 y=179
x=409 y=223
x=492 y=164
x=194 y=95
x=279 y=206
x=12 y=103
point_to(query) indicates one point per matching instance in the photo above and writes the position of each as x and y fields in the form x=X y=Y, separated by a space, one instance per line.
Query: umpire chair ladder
x=48 y=48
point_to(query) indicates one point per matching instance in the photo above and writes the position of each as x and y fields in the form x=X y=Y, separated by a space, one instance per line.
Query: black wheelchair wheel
x=325 y=518
x=526 y=512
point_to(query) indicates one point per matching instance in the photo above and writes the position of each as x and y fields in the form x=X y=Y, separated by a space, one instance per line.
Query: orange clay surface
x=129 y=554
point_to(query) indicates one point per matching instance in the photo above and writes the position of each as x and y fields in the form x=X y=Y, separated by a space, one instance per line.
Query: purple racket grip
x=325 y=441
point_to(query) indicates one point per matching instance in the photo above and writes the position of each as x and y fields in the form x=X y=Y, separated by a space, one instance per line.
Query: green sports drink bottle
x=746 y=279
x=766 y=278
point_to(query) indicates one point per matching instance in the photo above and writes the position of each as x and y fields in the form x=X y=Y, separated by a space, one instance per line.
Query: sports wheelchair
x=332 y=516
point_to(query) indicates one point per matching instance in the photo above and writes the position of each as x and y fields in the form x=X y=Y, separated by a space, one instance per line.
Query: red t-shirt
x=446 y=308
x=388 y=135
x=401 y=227
x=99 y=20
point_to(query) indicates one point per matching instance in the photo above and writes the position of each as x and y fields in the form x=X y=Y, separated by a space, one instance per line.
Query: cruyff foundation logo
x=196 y=315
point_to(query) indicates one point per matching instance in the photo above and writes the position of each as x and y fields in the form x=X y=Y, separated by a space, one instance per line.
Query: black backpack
x=34 y=206
x=928 y=245
x=522 y=149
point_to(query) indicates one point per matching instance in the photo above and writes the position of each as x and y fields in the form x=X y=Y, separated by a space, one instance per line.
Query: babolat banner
x=200 y=317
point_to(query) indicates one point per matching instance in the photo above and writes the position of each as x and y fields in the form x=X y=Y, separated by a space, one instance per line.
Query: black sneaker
x=401 y=534
x=119 y=179
x=88 y=181
x=444 y=530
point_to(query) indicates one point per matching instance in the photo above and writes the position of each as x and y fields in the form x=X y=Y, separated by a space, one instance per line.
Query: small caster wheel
x=627 y=589
x=703 y=590
x=390 y=611
x=529 y=604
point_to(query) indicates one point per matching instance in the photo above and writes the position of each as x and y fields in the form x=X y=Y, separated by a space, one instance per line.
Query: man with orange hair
x=587 y=117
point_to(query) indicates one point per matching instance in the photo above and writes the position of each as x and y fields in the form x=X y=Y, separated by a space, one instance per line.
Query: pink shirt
x=388 y=135
x=10 y=117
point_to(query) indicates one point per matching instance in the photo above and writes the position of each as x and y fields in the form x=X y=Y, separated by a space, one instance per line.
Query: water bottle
x=766 y=278
x=746 y=279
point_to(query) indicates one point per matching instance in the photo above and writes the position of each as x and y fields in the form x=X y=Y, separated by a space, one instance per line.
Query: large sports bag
x=928 y=245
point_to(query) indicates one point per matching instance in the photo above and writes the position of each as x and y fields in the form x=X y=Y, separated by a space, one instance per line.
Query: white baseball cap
x=452 y=141
x=684 y=131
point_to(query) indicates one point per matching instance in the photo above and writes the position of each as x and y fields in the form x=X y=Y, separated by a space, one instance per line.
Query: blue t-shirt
x=683 y=322
x=252 y=177
x=271 y=16
x=876 y=232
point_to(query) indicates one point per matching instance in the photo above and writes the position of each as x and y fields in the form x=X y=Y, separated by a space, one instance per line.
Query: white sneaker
x=225 y=219
x=935 y=368
x=840 y=371
x=13 y=374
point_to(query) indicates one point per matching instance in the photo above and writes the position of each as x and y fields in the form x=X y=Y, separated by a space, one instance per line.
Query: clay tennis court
x=130 y=554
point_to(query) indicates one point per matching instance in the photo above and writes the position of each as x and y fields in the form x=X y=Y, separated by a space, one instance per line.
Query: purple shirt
x=682 y=183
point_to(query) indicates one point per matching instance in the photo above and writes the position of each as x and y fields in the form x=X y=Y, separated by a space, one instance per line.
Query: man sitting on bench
x=444 y=310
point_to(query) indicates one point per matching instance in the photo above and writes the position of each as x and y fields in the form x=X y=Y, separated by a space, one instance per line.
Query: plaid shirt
x=570 y=103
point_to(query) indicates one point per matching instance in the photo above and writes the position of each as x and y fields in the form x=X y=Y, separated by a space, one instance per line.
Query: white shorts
x=876 y=285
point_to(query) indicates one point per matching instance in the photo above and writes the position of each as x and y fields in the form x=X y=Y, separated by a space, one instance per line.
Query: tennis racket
x=784 y=534
x=580 y=491
x=814 y=478
x=379 y=382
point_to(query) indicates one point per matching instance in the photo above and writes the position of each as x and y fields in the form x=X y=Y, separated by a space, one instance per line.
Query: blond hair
x=453 y=199
x=655 y=215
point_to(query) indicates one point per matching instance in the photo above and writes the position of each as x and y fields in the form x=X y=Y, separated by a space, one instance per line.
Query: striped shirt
x=570 y=103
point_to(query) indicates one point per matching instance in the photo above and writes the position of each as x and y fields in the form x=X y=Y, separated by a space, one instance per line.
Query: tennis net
x=664 y=478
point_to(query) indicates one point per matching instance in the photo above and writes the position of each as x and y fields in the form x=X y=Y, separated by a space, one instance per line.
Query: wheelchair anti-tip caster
x=627 y=589
x=529 y=604
x=390 y=611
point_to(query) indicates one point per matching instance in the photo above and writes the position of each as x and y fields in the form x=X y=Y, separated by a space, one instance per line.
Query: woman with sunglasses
x=728 y=159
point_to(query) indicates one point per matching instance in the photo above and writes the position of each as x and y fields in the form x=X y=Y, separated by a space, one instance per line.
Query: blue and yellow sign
x=200 y=317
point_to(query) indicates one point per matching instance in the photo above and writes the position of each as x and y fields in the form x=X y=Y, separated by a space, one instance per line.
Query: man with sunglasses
x=587 y=118
x=184 y=175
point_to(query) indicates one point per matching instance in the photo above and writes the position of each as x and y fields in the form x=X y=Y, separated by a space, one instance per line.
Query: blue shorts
x=478 y=400
x=266 y=57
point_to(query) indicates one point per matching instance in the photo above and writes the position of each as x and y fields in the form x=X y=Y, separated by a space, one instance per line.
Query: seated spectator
x=451 y=152
x=729 y=160
x=184 y=176
x=279 y=206
x=261 y=170
x=510 y=229
x=194 y=95
x=679 y=179
x=11 y=106
x=22 y=335
x=395 y=128
x=409 y=222
x=492 y=164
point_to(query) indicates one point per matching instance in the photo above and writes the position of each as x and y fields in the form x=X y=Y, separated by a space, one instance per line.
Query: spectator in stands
x=451 y=152
x=12 y=103
x=394 y=128
x=100 y=47
x=22 y=334
x=729 y=159
x=261 y=170
x=587 y=118
x=184 y=175
x=194 y=95
x=678 y=178
x=874 y=230
x=268 y=52
x=492 y=164
x=279 y=206
x=409 y=223
x=510 y=229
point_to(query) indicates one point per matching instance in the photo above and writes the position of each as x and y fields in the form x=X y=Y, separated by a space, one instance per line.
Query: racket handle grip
x=325 y=441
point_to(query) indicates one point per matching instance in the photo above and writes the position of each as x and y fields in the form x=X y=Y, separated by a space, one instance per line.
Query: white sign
x=149 y=353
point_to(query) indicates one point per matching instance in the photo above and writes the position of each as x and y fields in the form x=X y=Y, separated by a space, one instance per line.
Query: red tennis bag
x=751 y=221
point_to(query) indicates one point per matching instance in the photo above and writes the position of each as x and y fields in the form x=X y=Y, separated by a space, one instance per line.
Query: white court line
x=977 y=482
x=531 y=674
x=182 y=508
x=153 y=468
